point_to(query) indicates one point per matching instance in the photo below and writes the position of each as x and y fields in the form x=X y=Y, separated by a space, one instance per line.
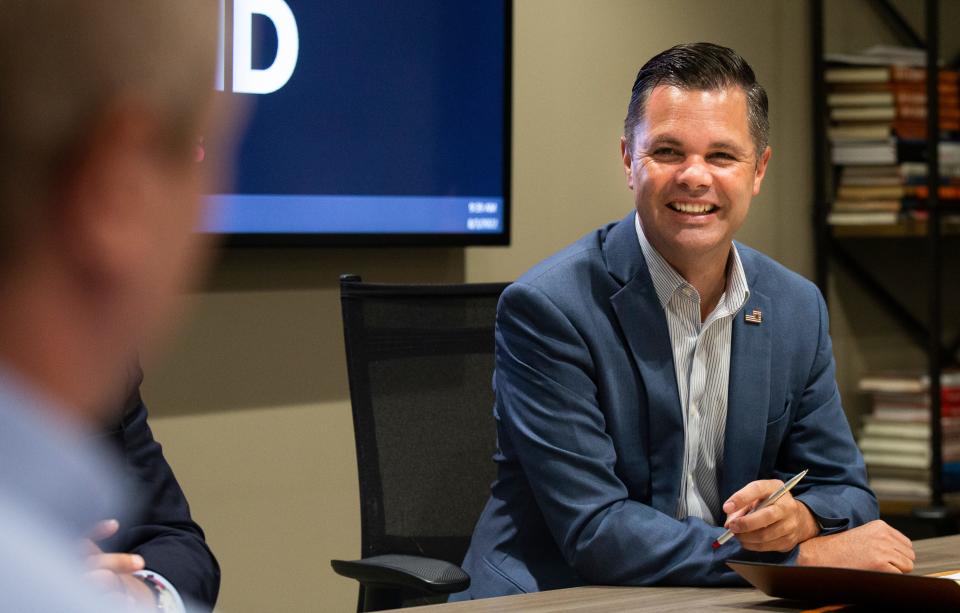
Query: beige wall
x=252 y=403
x=574 y=67
x=252 y=409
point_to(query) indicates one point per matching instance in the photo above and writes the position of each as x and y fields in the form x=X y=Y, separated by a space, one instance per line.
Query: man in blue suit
x=655 y=380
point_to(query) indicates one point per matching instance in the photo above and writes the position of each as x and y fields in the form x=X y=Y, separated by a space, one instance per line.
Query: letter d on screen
x=246 y=79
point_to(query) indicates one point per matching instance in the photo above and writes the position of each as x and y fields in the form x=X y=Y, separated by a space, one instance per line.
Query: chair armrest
x=393 y=570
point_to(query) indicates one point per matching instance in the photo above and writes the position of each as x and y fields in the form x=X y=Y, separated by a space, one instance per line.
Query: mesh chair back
x=420 y=364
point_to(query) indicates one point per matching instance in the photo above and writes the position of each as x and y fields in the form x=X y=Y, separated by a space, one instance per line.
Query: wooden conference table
x=933 y=555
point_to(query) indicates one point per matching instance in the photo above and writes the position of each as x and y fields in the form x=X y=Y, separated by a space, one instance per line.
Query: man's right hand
x=873 y=546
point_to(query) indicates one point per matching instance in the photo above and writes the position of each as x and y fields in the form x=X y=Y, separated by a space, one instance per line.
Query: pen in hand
x=772 y=498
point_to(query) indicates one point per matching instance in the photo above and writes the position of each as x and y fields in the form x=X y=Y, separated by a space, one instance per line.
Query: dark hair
x=700 y=66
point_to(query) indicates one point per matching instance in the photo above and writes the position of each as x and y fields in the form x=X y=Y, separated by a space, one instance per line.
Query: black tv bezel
x=403 y=239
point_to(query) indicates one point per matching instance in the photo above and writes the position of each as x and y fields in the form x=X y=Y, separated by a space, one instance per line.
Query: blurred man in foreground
x=102 y=106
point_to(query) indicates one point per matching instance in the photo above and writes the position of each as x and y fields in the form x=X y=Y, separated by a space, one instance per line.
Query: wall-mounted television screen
x=377 y=122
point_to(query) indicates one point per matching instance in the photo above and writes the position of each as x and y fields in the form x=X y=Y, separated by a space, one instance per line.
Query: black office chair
x=420 y=363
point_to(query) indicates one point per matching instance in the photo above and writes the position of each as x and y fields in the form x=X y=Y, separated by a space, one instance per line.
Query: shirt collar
x=667 y=281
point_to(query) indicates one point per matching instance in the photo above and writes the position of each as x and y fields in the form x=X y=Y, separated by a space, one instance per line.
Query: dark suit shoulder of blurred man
x=161 y=529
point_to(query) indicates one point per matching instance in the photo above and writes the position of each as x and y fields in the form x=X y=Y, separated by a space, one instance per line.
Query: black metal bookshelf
x=835 y=246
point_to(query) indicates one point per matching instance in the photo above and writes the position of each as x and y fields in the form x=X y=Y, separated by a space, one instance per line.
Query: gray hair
x=64 y=62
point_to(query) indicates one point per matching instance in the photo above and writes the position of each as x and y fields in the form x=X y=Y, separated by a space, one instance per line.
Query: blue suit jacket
x=590 y=429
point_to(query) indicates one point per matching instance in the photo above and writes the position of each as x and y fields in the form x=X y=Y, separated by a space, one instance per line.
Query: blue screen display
x=384 y=117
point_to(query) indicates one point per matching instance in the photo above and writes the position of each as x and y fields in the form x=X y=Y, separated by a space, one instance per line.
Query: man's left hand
x=778 y=527
x=113 y=572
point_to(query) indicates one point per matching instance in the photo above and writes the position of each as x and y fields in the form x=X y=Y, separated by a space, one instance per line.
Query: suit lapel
x=748 y=397
x=644 y=325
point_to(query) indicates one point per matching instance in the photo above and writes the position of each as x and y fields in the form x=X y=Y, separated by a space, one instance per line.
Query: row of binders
x=877 y=103
x=895 y=438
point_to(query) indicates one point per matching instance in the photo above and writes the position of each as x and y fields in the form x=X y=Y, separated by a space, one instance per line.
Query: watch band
x=165 y=599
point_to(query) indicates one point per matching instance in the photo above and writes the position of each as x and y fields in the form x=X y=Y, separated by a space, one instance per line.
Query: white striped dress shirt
x=701 y=359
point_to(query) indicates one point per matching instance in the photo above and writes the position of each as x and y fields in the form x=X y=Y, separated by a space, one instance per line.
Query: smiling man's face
x=693 y=169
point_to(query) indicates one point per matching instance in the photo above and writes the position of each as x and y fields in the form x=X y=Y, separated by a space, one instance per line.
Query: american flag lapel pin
x=755 y=317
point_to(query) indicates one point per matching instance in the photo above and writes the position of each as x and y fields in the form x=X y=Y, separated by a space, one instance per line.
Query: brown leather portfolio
x=823 y=585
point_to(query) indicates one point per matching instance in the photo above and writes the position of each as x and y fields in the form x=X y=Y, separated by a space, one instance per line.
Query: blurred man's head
x=102 y=107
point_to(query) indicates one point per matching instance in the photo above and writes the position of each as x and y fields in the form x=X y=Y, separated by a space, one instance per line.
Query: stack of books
x=878 y=108
x=895 y=439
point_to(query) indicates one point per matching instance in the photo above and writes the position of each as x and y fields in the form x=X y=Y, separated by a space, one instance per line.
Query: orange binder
x=823 y=585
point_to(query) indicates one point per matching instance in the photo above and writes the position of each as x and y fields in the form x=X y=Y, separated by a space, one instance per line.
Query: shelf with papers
x=887 y=167
x=895 y=438
x=902 y=507
x=908 y=228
